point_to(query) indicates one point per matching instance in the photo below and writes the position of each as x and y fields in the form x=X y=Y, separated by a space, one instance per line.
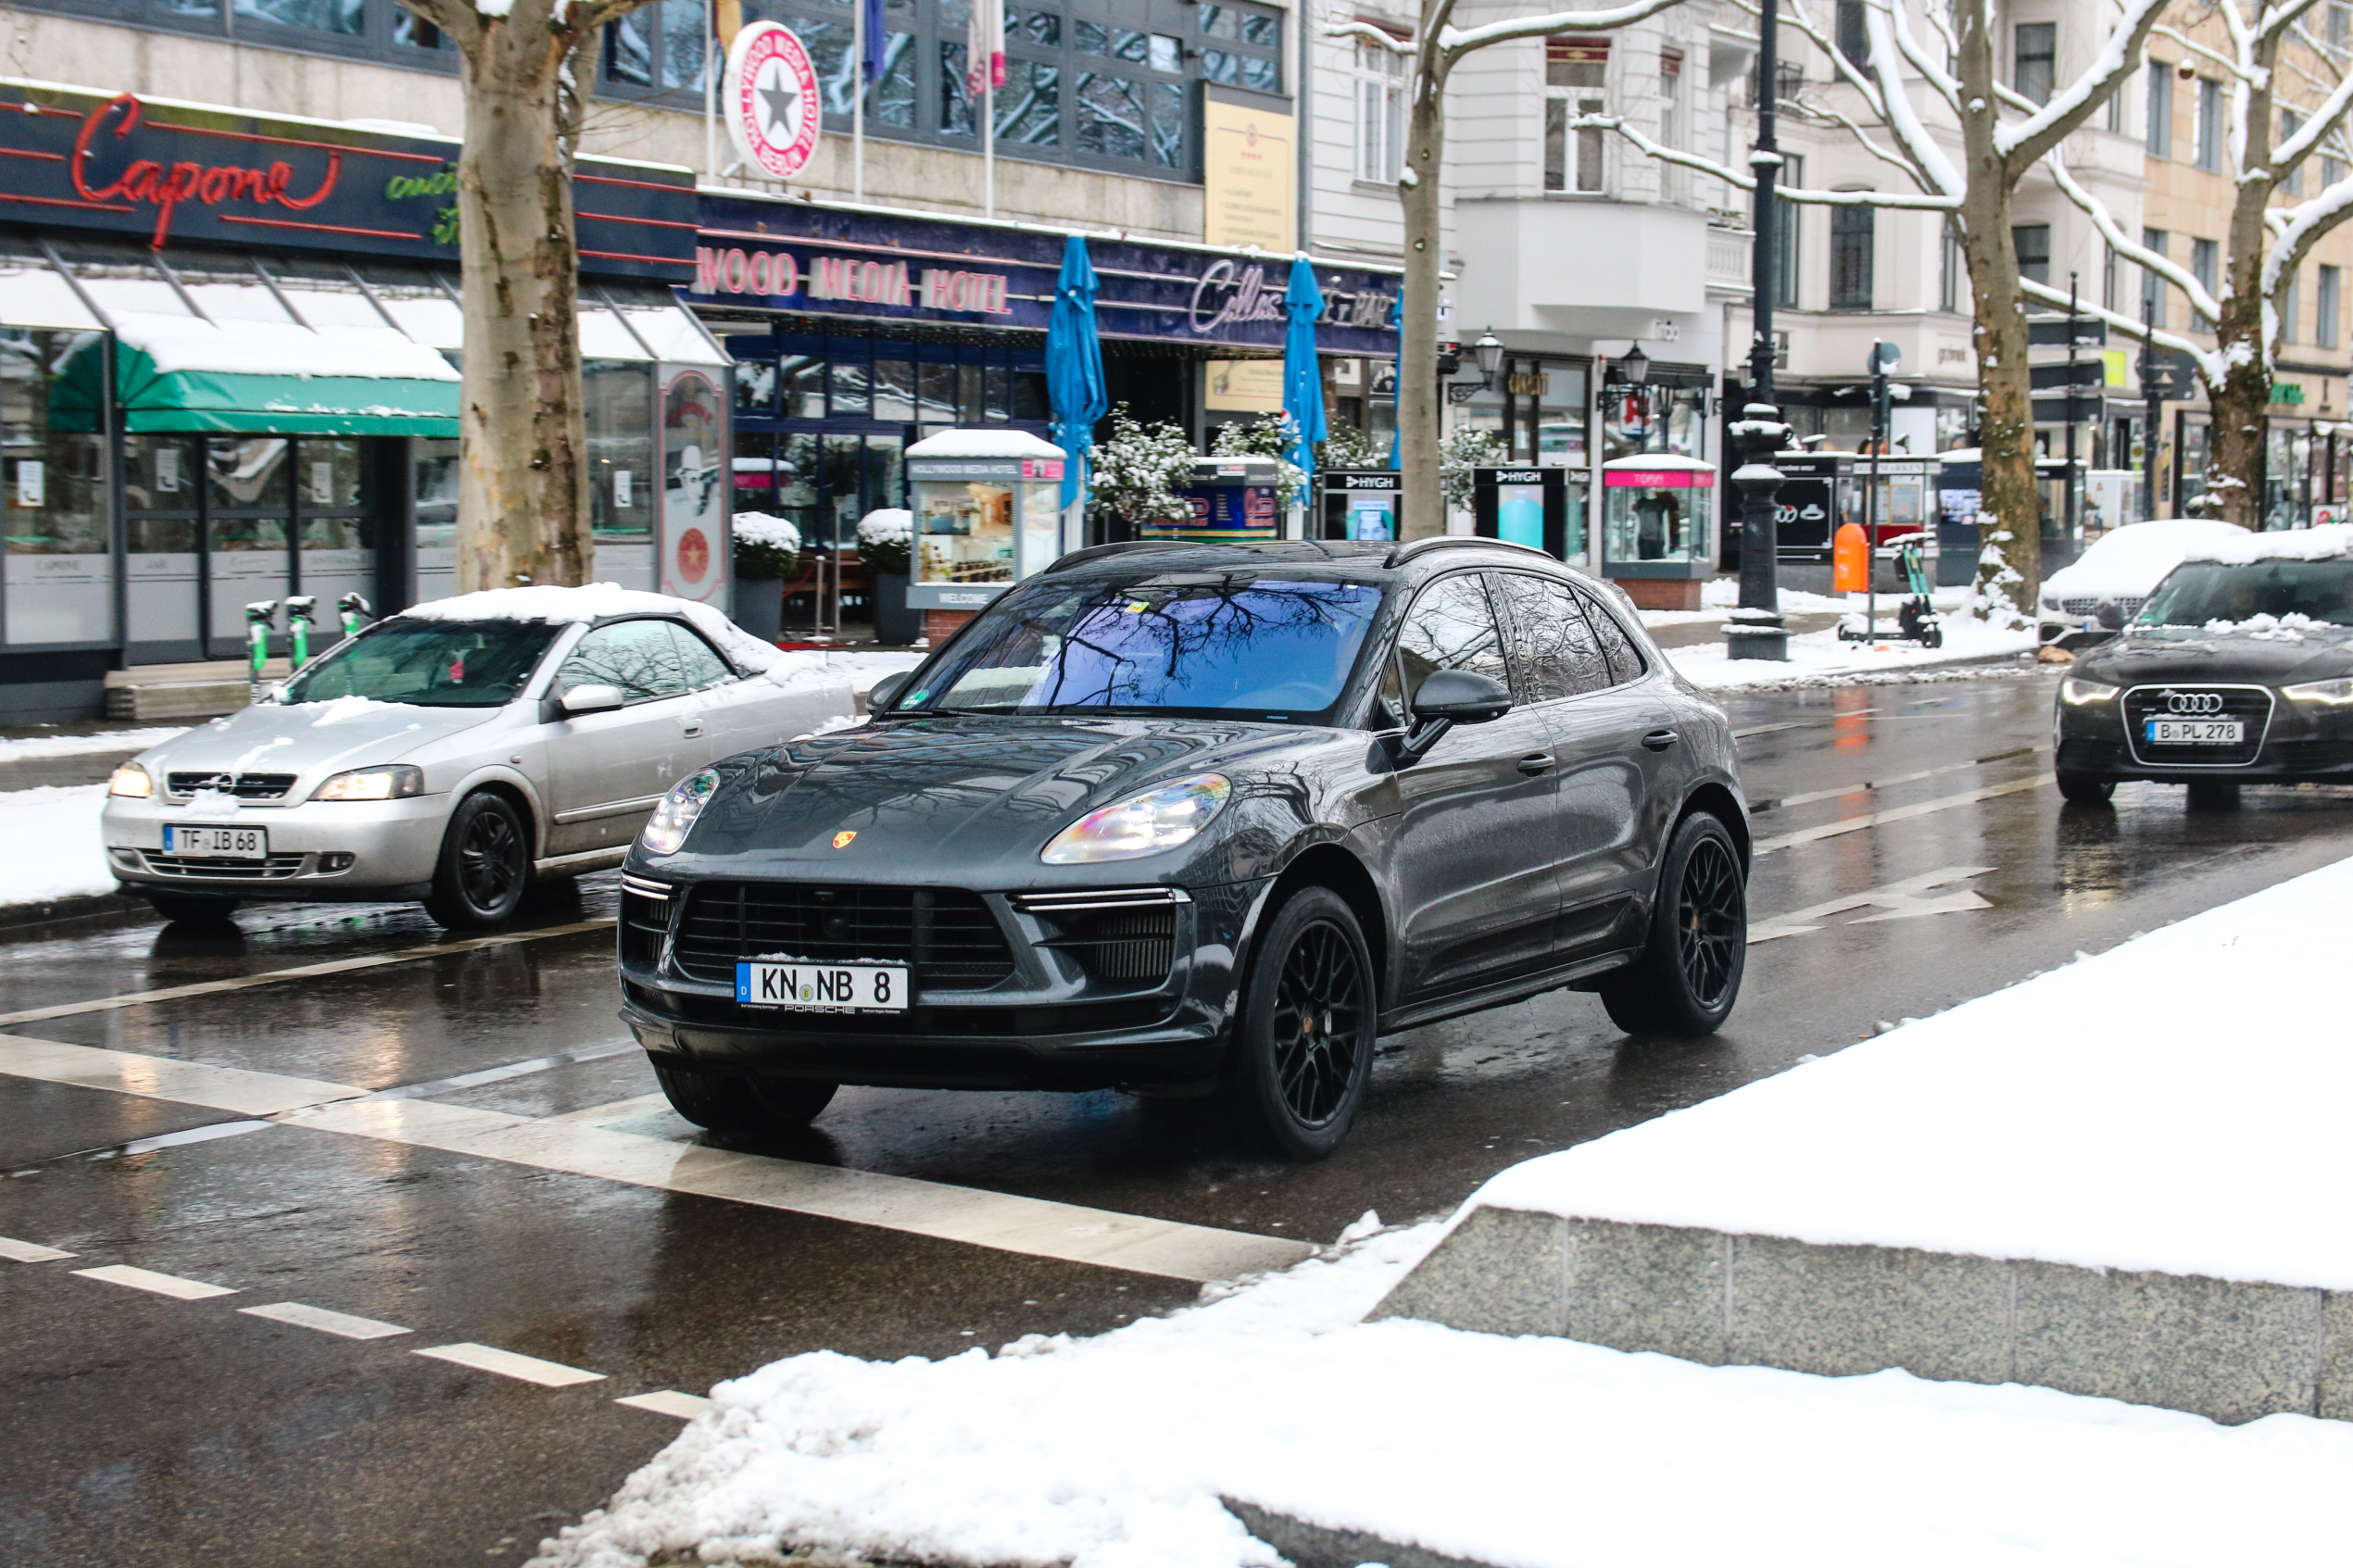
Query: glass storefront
x=60 y=564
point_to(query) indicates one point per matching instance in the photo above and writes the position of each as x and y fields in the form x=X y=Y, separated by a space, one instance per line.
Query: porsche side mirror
x=1448 y=697
x=885 y=692
x=598 y=699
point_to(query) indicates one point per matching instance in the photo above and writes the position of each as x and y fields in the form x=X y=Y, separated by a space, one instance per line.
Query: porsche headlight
x=396 y=783
x=1142 y=824
x=131 y=782
x=668 y=827
x=2335 y=694
x=2076 y=692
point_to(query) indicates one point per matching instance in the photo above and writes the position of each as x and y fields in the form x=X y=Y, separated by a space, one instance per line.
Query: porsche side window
x=1625 y=659
x=702 y=668
x=1451 y=626
x=1554 y=652
x=638 y=657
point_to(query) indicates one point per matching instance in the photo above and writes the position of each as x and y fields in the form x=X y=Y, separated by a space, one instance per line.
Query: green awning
x=178 y=374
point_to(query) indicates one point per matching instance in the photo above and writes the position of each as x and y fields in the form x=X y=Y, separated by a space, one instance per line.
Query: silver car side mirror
x=598 y=699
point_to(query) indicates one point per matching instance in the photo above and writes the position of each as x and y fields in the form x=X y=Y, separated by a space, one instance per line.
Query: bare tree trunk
x=1422 y=501
x=522 y=492
x=2240 y=406
x=2005 y=442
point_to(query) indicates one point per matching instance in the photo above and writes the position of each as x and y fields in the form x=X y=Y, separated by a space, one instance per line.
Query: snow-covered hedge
x=766 y=546
x=887 y=539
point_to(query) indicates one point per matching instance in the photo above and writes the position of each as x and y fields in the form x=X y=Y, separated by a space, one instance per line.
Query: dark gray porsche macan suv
x=1194 y=819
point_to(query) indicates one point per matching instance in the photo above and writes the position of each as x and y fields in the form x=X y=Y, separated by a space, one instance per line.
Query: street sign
x=2083 y=372
x=2054 y=332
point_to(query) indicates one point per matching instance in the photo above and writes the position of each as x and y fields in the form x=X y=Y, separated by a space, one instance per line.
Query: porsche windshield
x=432 y=663
x=1200 y=643
x=2201 y=593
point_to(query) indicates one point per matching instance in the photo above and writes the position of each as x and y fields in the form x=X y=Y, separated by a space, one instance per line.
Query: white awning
x=33 y=294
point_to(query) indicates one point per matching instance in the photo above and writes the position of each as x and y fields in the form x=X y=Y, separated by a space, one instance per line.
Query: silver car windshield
x=432 y=663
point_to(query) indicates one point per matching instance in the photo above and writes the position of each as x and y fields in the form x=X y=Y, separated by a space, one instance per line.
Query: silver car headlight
x=395 y=783
x=2050 y=601
x=668 y=827
x=2335 y=694
x=1142 y=824
x=2076 y=692
x=131 y=782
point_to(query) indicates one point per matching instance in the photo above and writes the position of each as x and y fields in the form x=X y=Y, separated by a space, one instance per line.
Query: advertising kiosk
x=988 y=505
x=1235 y=501
x=1357 y=503
x=1658 y=528
x=1528 y=506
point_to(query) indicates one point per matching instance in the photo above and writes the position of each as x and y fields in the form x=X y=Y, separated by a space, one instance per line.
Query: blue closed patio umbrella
x=1303 y=379
x=1075 y=363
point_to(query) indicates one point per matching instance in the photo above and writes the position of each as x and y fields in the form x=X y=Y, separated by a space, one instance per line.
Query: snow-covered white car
x=2121 y=569
x=458 y=753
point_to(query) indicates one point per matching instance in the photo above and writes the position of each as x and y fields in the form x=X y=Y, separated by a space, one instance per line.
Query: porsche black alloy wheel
x=1689 y=976
x=1304 y=1045
x=485 y=864
x=737 y=1104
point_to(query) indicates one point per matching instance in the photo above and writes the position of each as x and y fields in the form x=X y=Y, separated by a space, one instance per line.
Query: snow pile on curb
x=31 y=748
x=1821 y=658
x=58 y=851
x=2175 y=1104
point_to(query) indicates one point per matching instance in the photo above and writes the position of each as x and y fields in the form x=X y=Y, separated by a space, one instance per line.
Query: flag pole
x=858 y=104
x=988 y=141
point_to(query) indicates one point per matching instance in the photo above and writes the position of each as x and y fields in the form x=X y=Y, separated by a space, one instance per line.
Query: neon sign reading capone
x=166 y=186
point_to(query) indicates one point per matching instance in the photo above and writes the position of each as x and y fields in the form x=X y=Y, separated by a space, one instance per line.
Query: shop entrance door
x=219 y=522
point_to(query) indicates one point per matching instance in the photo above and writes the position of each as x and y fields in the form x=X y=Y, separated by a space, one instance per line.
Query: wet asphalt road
x=137 y=1429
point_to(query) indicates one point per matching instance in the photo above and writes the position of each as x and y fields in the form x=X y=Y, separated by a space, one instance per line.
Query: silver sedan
x=457 y=753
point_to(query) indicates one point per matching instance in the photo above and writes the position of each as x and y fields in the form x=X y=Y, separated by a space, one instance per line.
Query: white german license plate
x=830 y=987
x=229 y=844
x=2197 y=732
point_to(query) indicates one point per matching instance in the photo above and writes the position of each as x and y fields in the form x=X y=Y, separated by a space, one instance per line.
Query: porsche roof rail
x=1412 y=547
x=1096 y=552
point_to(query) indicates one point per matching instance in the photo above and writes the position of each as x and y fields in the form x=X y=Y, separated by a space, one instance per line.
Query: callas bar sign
x=171 y=172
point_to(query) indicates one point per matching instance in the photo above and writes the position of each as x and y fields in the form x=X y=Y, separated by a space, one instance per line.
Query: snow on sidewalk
x=28 y=747
x=2175 y=1103
x=1821 y=658
x=57 y=851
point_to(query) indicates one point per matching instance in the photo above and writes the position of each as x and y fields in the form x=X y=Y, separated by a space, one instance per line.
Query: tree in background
x=2000 y=136
x=525 y=69
x=1436 y=49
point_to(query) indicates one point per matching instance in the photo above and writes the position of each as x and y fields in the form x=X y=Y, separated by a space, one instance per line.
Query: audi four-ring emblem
x=2193 y=702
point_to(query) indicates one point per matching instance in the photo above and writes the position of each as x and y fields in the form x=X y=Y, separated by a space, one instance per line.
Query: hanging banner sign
x=773 y=111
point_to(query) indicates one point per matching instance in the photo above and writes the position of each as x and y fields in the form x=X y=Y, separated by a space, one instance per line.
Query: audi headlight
x=668 y=827
x=396 y=783
x=131 y=782
x=2335 y=694
x=1142 y=824
x=2076 y=692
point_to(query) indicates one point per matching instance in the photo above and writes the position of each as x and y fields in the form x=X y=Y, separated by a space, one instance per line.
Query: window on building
x=2209 y=124
x=1853 y=41
x=1852 y=231
x=1786 y=215
x=1670 y=97
x=346 y=17
x=2292 y=181
x=2032 y=242
x=2205 y=258
x=2116 y=107
x=2109 y=270
x=2291 y=308
x=1381 y=113
x=1242 y=46
x=2161 y=108
x=2034 y=59
x=2340 y=26
x=1576 y=73
x=1953 y=267
x=2331 y=170
x=2328 y=299
x=2152 y=284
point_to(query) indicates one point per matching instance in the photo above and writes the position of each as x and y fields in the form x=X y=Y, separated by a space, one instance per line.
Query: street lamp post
x=2157 y=379
x=1755 y=629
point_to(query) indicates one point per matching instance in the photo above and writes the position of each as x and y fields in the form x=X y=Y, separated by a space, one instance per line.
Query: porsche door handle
x=1659 y=740
x=691 y=729
x=1536 y=762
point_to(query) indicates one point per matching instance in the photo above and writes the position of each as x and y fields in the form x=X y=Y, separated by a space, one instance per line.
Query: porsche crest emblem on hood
x=841 y=840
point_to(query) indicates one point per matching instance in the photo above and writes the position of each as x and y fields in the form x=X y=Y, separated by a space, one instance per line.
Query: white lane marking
x=300 y=971
x=324 y=1321
x=1000 y=1220
x=1897 y=814
x=1768 y=728
x=29 y=1251
x=619 y=1111
x=155 y=1077
x=1812 y=795
x=506 y=1363
x=1907 y=900
x=1006 y=1222
x=669 y=1401
x=163 y=1285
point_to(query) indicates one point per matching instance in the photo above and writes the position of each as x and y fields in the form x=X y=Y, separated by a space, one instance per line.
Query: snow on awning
x=183 y=374
x=33 y=295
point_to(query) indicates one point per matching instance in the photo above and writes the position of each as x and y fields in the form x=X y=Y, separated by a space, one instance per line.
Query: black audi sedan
x=1199 y=819
x=2239 y=669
